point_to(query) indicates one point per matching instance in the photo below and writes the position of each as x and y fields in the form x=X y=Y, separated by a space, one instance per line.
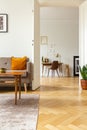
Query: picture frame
x=43 y=40
x=3 y=23
x=76 y=65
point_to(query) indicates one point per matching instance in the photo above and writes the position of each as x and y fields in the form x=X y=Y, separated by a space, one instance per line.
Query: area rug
x=22 y=116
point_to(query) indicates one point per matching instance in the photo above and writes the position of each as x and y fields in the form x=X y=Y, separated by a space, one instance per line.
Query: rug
x=22 y=116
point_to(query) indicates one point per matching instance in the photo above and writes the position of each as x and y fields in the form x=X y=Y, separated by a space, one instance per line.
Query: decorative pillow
x=18 y=63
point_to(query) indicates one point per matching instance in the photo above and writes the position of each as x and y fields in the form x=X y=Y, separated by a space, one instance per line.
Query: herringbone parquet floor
x=62 y=107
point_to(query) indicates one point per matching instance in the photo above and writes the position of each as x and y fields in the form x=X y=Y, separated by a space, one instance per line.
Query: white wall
x=83 y=33
x=60 y=24
x=18 y=40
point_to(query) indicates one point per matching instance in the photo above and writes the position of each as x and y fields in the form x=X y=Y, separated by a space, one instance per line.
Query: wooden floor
x=62 y=107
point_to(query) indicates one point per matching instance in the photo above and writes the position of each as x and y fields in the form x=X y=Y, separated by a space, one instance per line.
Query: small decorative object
x=42 y=58
x=2 y=70
x=83 y=72
x=57 y=55
x=3 y=23
x=46 y=60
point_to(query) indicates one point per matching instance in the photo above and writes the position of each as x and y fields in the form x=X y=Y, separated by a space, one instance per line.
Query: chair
x=54 y=67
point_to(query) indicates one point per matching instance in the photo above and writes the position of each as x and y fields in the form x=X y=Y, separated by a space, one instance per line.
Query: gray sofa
x=5 y=62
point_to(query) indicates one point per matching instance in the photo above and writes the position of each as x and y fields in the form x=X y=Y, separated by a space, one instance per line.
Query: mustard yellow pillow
x=18 y=63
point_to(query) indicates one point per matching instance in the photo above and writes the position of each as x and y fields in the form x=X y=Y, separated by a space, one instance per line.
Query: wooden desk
x=49 y=64
x=17 y=79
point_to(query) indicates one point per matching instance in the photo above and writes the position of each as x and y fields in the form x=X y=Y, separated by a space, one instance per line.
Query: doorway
x=61 y=27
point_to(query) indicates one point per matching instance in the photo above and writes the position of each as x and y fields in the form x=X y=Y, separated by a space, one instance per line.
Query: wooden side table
x=17 y=82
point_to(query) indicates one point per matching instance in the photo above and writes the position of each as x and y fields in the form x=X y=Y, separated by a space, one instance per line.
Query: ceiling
x=68 y=3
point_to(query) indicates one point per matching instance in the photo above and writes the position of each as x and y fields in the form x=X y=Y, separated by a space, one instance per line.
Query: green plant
x=83 y=71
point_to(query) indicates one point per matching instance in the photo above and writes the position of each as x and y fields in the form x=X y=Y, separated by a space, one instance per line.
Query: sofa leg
x=25 y=87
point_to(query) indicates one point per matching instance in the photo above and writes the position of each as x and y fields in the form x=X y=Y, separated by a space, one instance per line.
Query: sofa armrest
x=28 y=69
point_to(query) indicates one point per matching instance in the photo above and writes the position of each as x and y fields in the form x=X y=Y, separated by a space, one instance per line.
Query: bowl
x=2 y=70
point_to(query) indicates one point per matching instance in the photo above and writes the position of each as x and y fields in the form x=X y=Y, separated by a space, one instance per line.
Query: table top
x=46 y=63
x=50 y=63
x=12 y=73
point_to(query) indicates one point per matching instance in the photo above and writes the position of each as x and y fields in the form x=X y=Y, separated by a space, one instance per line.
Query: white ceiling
x=68 y=3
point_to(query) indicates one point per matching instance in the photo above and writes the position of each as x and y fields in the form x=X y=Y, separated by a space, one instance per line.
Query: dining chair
x=54 y=67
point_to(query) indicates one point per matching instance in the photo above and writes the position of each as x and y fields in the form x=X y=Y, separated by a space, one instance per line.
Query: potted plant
x=83 y=72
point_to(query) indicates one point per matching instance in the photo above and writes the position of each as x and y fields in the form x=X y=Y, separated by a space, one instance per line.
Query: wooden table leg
x=42 y=69
x=19 y=86
x=16 y=89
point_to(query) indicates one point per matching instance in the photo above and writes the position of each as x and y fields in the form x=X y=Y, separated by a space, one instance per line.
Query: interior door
x=36 y=44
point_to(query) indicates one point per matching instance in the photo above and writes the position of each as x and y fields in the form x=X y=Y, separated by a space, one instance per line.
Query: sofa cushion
x=18 y=63
x=5 y=62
